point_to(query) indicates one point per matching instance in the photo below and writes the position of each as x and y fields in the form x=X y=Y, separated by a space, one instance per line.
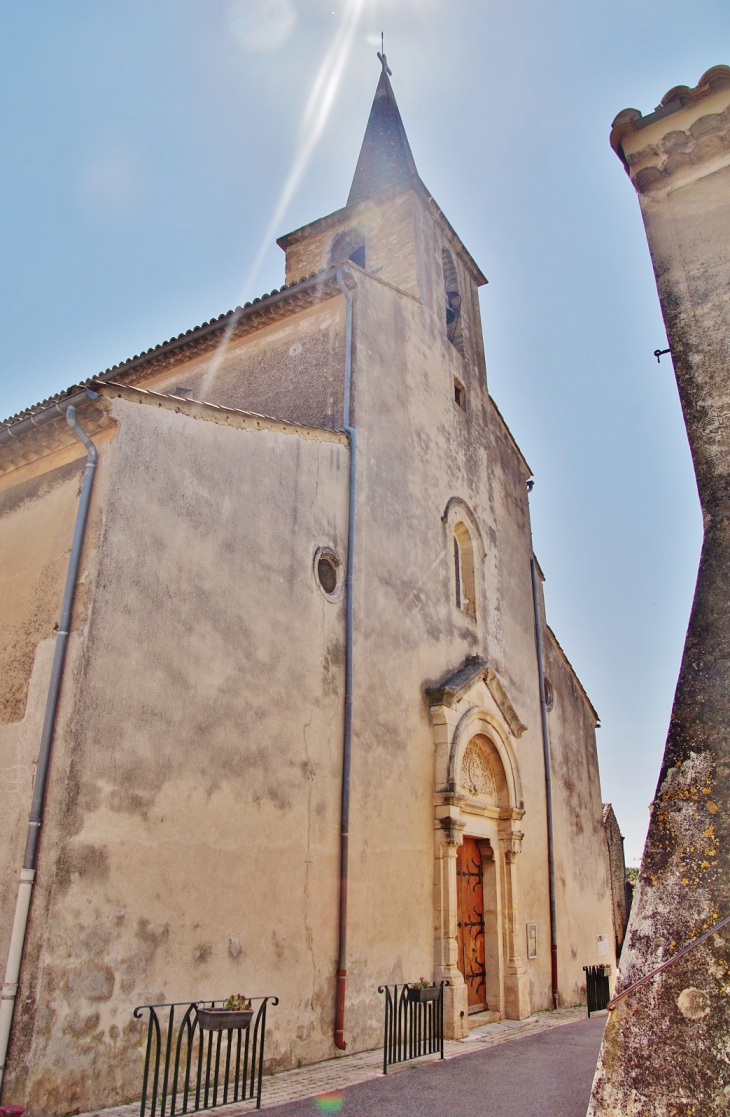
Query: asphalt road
x=545 y=1075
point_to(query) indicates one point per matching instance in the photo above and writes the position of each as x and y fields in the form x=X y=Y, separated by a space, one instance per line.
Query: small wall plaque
x=603 y=944
x=532 y=940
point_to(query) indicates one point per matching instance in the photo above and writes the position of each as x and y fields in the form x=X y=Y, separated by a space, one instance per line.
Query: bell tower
x=393 y=229
x=374 y=229
x=385 y=156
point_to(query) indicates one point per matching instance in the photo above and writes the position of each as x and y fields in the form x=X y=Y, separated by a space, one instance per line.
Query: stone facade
x=665 y=1047
x=617 y=868
x=190 y=846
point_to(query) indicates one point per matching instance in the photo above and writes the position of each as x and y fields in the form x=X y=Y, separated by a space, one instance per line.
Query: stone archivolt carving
x=477 y=776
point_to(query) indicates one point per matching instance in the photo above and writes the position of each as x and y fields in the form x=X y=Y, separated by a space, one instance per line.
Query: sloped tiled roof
x=253 y=315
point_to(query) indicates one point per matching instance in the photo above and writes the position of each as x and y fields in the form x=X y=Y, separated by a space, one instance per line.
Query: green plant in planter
x=423 y=991
x=237 y=1003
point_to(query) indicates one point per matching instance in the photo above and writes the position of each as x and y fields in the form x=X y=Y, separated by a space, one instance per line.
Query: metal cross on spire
x=381 y=55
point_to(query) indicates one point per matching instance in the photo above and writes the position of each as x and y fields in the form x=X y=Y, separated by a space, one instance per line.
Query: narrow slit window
x=464 y=571
x=459 y=394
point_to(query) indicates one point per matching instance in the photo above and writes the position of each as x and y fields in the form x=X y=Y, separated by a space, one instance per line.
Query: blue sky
x=146 y=147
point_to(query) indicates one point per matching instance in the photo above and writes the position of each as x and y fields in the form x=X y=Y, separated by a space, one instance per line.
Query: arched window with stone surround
x=465 y=552
x=464 y=570
x=452 y=309
x=349 y=245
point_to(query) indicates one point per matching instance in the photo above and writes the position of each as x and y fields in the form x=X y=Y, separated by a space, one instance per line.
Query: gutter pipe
x=11 y=431
x=341 y=974
x=548 y=785
x=30 y=860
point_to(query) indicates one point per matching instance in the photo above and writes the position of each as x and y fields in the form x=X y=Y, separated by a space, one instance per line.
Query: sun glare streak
x=314 y=120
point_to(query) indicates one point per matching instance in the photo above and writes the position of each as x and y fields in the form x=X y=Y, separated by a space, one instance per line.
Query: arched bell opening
x=349 y=245
x=454 y=325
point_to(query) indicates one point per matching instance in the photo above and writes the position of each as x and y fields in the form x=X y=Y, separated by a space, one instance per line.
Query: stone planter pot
x=430 y=993
x=223 y=1019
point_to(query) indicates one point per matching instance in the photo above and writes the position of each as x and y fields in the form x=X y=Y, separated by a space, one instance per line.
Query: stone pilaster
x=516 y=984
x=446 y=947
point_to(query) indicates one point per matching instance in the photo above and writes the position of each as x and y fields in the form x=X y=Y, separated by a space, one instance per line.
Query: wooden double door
x=470 y=899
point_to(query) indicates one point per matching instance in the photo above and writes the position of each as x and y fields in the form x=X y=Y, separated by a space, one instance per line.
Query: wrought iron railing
x=598 y=992
x=188 y=1068
x=414 y=1022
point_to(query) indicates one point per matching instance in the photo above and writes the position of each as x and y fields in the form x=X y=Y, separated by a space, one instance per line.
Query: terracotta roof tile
x=631 y=120
x=147 y=355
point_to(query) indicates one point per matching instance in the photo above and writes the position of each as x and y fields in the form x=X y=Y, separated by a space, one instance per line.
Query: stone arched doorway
x=479 y=883
x=478 y=811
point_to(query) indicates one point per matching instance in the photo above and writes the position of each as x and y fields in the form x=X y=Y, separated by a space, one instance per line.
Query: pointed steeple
x=385 y=155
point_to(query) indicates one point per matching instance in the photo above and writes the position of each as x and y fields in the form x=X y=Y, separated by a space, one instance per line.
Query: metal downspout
x=341 y=976
x=548 y=786
x=27 y=873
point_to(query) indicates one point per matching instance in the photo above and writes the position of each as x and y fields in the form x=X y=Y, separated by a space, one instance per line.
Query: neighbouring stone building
x=617 y=869
x=665 y=1049
x=308 y=539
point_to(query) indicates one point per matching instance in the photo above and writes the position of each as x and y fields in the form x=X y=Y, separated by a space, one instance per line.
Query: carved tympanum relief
x=477 y=776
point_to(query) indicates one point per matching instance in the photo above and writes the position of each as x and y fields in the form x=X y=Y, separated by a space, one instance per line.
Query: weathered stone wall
x=291 y=369
x=37 y=514
x=581 y=862
x=37 y=517
x=617 y=871
x=665 y=1049
x=386 y=224
x=421 y=450
x=190 y=843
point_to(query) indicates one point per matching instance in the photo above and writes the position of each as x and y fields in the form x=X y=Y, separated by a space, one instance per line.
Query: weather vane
x=381 y=55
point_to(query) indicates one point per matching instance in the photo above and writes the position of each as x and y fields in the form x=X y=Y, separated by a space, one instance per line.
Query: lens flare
x=314 y=120
x=330 y=1103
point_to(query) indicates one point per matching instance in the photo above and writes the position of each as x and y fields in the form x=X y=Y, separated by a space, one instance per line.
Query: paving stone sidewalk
x=335 y=1075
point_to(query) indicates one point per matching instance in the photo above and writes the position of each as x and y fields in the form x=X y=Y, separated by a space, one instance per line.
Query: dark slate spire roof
x=385 y=155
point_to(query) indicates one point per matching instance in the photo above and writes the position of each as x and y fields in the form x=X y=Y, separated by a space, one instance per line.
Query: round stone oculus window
x=327 y=573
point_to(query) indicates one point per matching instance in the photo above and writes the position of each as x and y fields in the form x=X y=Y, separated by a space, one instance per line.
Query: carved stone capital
x=453 y=830
x=511 y=844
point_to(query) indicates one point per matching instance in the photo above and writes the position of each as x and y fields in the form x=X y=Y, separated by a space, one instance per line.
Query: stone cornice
x=453 y=688
x=214 y=413
x=689 y=130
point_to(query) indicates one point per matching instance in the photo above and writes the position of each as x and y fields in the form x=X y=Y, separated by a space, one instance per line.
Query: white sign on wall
x=603 y=944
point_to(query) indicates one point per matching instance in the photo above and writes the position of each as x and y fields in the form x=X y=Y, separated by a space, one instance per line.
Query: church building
x=307 y=730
